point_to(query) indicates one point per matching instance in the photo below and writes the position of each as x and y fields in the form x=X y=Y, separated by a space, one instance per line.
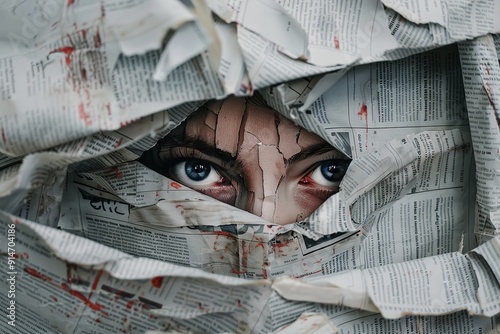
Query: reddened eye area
x=330 y=172
x=196 y=173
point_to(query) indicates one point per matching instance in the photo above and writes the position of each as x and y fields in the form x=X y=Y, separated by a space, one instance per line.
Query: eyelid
x=304 y=167
x=178 y=153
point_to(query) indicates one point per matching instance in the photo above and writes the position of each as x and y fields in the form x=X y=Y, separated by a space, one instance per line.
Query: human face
x=245 y=154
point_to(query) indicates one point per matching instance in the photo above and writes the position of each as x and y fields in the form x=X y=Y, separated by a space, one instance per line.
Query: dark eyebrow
x=200 y=145
x=307 y=152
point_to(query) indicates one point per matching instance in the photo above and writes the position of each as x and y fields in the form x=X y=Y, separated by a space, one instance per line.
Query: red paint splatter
x=98 y=320
x=238 y=272
x=157 y=281
x=117 y=172
x=280 y=245
x=487 y=69
x=55 y=299
x=96 y=279
x=84 y=34
x=336 y=42
x=118 y=295
x=79 y=295
x=264 y=273
x=37 y=274
x=71 y=2
x=129 y=304
x=157 y=194
x=83 y=115
x=175 y=185
x=363 y=112
x=122 y=124
x=4 y=137
x=260 y=244
x=67 y=50
x=224 y=234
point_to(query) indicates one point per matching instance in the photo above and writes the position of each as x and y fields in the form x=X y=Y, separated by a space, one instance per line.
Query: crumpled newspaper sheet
x=408 y=244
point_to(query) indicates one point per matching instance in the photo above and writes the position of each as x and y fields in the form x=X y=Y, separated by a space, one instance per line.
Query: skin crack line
x=243 y=153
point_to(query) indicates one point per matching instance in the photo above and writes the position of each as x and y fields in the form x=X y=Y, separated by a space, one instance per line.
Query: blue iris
x=334 y=170
x=197 y=170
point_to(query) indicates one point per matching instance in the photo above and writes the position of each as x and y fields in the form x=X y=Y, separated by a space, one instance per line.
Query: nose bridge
x=262 y=180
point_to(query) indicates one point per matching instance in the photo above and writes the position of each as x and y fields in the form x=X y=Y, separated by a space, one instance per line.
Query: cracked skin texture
x=267 y=162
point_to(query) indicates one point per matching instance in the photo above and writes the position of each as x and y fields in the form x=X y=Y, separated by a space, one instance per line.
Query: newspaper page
x=98 y=240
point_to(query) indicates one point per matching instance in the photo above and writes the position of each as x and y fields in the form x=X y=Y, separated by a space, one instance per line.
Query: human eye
x=196 y=173
x=328 y=173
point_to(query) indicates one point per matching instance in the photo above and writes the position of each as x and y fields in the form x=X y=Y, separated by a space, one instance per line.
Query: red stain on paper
x=487 y=69
x=96 y=279
x=279 y=245
x=117 y=172
x=71 y=2
x=363 y=114
x=238 y=272
x=157 y=281
x=175 y=185
x=83 y=114
x=37 y=274
x=79 y=295
x=67 y=50
x=224 y=234
x=336 y=42
x=363 y=111
x=4 y=138
x=55 y=299
x=260 y=244
x=129 y=304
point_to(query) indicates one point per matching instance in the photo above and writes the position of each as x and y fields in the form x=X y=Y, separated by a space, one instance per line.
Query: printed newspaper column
x=481 y=74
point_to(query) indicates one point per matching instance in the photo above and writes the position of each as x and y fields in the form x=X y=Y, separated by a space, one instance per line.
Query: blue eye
x=195 y=172
x=330 y=172
x=334 y=170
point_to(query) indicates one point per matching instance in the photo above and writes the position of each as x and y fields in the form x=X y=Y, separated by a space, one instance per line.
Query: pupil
x=197 y=170
x=334 y=170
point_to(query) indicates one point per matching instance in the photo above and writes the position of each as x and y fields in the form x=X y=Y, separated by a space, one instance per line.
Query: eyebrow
x=316 y=149
x=200 y=145
x=178 y=140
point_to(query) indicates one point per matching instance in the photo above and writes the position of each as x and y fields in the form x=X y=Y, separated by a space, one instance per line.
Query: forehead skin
x=261 y=141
